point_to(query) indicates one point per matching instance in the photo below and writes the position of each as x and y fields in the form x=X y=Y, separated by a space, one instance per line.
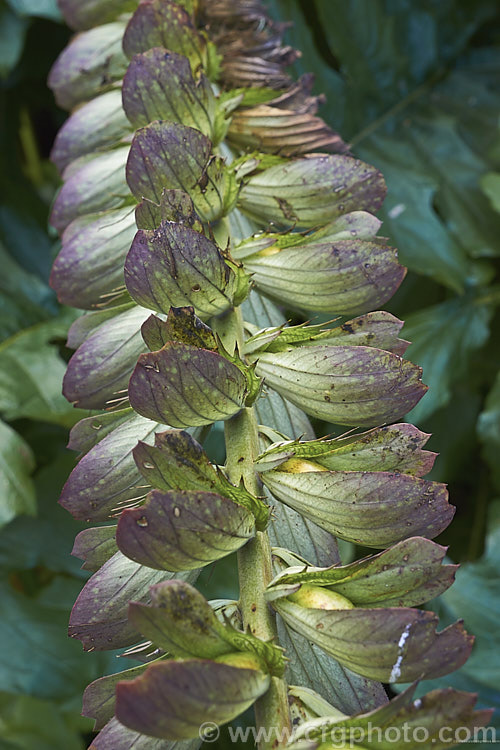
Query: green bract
x=200 y=191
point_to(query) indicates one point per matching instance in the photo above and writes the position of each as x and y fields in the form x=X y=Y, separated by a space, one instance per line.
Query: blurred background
x=415 y=88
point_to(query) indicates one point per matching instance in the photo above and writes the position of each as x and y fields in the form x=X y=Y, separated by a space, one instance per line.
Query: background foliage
x=414 y=89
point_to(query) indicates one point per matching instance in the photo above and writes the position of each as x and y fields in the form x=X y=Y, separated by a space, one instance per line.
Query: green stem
x=254 y=565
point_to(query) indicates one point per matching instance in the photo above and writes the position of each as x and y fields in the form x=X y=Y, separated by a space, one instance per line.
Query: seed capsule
x=316 y=597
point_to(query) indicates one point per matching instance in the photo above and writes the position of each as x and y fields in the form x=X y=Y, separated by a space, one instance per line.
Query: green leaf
x=343 y=277
x=430 y=128
x=488 y=427
x=31 y=374
x=24 y=542
x=444 y=338
x=31 y=633
x=39 y=8
x=17 y=491
x=490 y=184
x=25 y=301
x=180 y=621
x=12 y=34
x=32 y=724
x=474 y=596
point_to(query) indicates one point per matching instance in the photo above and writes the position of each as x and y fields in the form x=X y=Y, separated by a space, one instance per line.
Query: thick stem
x=254 y=566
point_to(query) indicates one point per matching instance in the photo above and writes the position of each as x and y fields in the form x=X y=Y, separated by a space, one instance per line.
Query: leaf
x=88 y=323
x=115 y=736
x=25 y=298
x=172 y=699
x=40 y=8
x=181 y=622
x=408 y=574
x=99 y=617
x=106 y=479
x=396 y=447
x=12 y=35
x=99 y=697
x=175 y=205
x=98 y=372
x=89 y=266
x=98 y=53
x=174 y=266
x=159 y=85
x=95 y=126
x=88 y=13
x=474 y=596
x=95 y=183
x=95 y=546
x=149 y=169
x=377 y=329
x=183 y=530
x=488 y=428
x=33 y=724
x=436 y=710
x=89 y=431
x=31 y=373
x=16 y=487
x=345 y=277
x=374 y=509
x=338 y=383
x=177 y=462
x=490 y=184
x=387 y=644
x=444 y=338
x=184 y=386
x=173 y=156
x=183 y=326
x=311 y=191
x=309 y=665
x=23 y=542
x=168 y=25
x=31 y=633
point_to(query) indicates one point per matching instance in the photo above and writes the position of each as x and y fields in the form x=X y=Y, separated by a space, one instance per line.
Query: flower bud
x=317 y=597
x=300 y=466
x=241 y=659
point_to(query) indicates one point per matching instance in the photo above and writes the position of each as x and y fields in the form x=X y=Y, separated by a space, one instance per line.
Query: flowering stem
x=254 y=566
